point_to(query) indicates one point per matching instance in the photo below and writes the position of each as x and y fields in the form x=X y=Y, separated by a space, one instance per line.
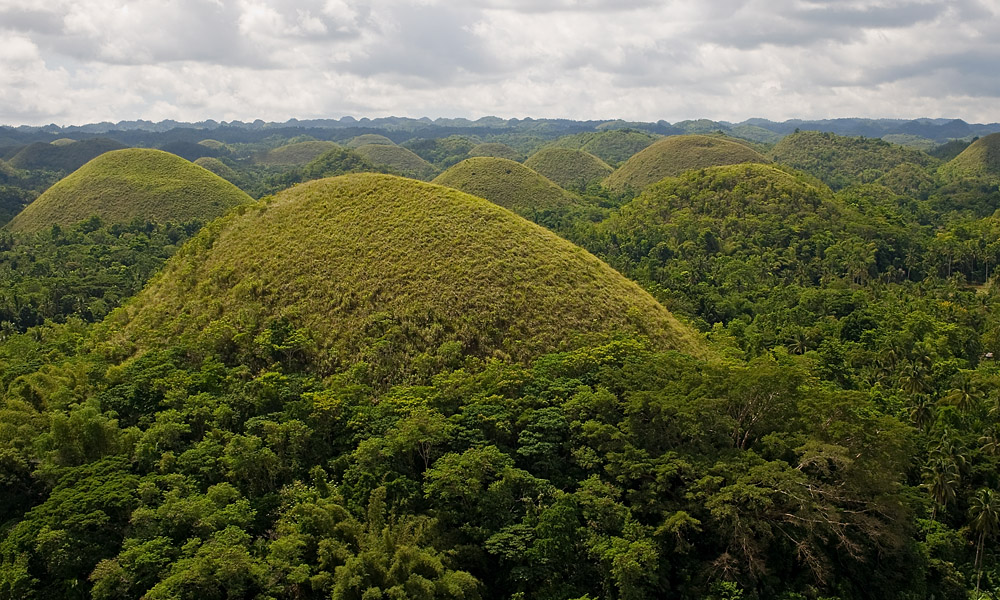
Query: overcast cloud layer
x=80 y=61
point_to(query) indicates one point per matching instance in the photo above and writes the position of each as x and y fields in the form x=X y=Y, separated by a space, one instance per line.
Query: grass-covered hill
x=386 y=270
x=218 y=167
x=214 y=145
x=673 y=155
x=613 y=147
x=295 y=155
x=67 y=157
x=442 y=152
x=496 y=150
x=123 y=185
x=842 y=161
x=980 y=160
x=368 y=138
x=397 y=159
x=570 y=168
x=743 y=228
x=509 y=184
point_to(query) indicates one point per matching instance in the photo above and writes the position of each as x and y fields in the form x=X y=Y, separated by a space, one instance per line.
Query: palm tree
x=923 y=414
x=942 y=482
x=984 y=515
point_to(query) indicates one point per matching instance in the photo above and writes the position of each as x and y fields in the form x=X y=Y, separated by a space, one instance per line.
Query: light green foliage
x=379 y=268
x=397 y=159
x=296 y=154
x=910 y=141
x=213 y=144
x=496 y=150
x=613 y=147
x=571 y=169
x=124 y=185
x=842 y=161
x=675 y=154
x=980 y=160
x=508 y=184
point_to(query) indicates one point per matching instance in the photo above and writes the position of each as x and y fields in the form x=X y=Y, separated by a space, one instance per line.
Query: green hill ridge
x=496 y=150
x=66 y=157
x=398 y=159
x=384 y=269
x=980 y=159
x=297 y=154
x=366 y=139
x=673 y=155
x=123 y=185
x=570 y=168
x=841 y=161
x=613 y=146
x=509 y=184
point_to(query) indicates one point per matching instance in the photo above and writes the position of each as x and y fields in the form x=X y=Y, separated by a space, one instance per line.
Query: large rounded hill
x=613 y=146
x=673 y=155
x=570 y=168
x=980 y=159
x=62 y=157
x=384 y=270
x=124 y=185
x=296 y=154
x=509 y=184
x=397 y=159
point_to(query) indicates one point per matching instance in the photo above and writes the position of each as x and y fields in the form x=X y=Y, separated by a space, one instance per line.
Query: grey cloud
x=30 y=21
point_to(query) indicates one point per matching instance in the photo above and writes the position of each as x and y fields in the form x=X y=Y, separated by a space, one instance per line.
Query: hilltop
x=570 y=168
x=7 y=172
x=62 y=157
x=509 y=184
x=496 y=150
x=673 y=155
x=980 y=159
x=613 y=147
x=123 y=185
x=397 y=159
x=297 y=154
x=366 y=139
x=842 y=161
x=218 y=167
x=384 y=269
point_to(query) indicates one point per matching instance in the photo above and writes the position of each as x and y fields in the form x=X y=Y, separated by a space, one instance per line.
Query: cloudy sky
x=80 y=61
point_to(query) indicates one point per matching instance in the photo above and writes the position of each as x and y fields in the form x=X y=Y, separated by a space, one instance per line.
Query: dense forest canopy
x=290 y=369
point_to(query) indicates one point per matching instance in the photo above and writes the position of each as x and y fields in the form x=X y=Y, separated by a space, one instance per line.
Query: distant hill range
x=919 y=133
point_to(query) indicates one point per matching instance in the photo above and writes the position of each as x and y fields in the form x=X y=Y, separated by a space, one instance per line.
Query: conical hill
x=980 y=159
x=124 y=185
x=384 y=270
x=571 y=169
x=398 y=160
x=509 y=184
x=673 y=155
x=297 y=154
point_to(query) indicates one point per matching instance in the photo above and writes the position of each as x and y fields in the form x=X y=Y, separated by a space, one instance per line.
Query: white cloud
x=74 y=61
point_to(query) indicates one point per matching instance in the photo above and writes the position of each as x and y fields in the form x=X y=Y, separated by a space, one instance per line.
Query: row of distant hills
x=918 y=133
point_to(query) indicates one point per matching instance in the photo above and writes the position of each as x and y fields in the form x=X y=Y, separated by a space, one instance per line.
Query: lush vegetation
x=571 y=169
x=981 y=160
x=840 y=161
x=613 y=147
x=397 y=160
x=124 y=185
x=83 y=271
x=371 y=387
x=675 y=154
x=297 y=154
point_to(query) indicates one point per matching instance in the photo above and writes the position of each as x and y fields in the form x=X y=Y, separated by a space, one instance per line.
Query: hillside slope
x=569 y=168
x=980 y=159
x=123 y=185
x=382 y=269
x=397 y=159
x=673 y=155
x=295 y=155
x=65 y=157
